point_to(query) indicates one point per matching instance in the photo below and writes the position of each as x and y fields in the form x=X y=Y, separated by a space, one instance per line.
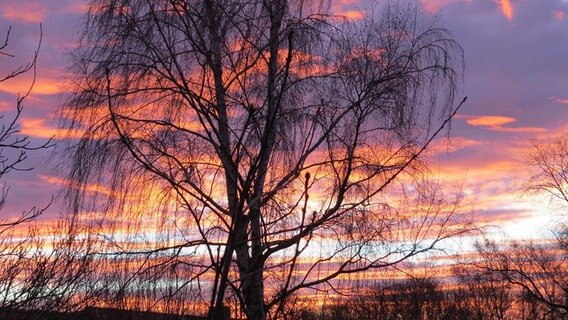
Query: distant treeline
x=469 y=294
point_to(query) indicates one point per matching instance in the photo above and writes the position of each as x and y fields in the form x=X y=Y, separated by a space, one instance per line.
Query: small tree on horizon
x=538 y=269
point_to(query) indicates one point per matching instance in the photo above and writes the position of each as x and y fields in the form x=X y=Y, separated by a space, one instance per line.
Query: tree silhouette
x=13 y=145
x=252 y=141
x=38 y=271
x=538 y=269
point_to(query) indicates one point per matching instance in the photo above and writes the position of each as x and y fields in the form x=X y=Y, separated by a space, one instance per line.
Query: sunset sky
x=516 y=80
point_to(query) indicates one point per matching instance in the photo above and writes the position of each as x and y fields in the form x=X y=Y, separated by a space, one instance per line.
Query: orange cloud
x=352 y=14
x=347 y=8
x=496 y=123
x=24 y=11
x=506 y=8
x=38 y=128
x=489 y=121
x=22 y=84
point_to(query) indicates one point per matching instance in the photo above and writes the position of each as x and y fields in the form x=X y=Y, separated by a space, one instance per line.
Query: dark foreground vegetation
x=468 y=293
x=483 y=296
x=90 y=314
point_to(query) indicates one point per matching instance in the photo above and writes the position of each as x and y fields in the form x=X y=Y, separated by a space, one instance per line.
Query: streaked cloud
x=24 y=11
x=559 y=100
x=489 y=121
x=498 y=123
x=40 y=128
x=91 y=188
x=502 y=216
x=5 y=106
x=519 y=129
x=43 y=85
x=452 y=144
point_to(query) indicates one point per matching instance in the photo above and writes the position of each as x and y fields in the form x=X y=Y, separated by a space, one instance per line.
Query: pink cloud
x=348 y=8
x=24 y=11
x=519 y=129
x=79 y=8
x=92 y=188
x=559 y=100
x=433 y=6
x=452 y=145
x=553 y=134
x=559 y=15
x=5 y=106
x=346 y=2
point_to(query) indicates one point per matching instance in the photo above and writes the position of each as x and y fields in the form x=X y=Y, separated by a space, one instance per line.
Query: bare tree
x=13 y=145
x=260 y=136
x=537 y=272
x=42 y=271
x=488 y=295
x=541 y=269
x=548 y=164
x=412 y=298
x=39 y=270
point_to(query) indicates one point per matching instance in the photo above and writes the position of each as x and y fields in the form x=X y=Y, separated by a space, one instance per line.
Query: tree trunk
x=250 y=271
x=253 y=290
